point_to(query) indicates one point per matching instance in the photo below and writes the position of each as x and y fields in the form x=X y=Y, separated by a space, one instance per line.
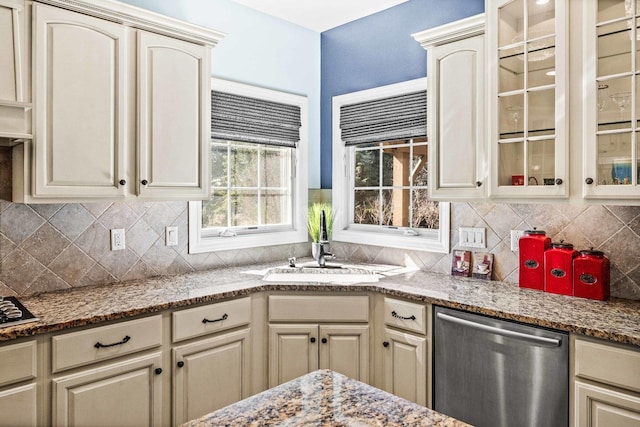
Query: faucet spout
x=323 y=254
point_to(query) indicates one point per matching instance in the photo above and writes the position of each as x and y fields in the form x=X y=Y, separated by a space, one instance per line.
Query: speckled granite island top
x=615 y=320
x=324 y=398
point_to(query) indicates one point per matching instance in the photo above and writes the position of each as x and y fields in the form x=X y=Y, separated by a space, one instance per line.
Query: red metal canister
x=591 y=275
x=531 y=247
x=558 y=267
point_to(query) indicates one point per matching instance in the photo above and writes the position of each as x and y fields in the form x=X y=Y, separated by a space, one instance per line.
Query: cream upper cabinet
x=15 y=105
x=121 y=106
x=173 y=102
x=528 y=117
x=81 y=97
x=456 y=109
x=611 y=69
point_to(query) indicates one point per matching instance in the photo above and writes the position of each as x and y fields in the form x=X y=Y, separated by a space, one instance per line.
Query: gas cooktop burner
x=14 y=313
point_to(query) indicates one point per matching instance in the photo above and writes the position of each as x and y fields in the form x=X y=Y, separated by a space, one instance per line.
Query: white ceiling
x=319 y=15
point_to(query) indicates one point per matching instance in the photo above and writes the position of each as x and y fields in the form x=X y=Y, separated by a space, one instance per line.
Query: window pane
x=274 y=207
x=367 y=207
x=425 y=211
x=274 y=167
x=396 y=165
x=420 y=166
x=367 y=168
x=244 y=208
x=396 y=207
x=244 y=166
x=214 y=210
x=219 y=164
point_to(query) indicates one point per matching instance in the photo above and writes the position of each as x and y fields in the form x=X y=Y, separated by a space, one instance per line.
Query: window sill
x=414 y=243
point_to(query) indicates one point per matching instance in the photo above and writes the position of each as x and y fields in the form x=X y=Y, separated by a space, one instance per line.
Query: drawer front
x=609 y=364
x=405 y=315
x=300 y=308
x=18 y=362
x=211 y=318
x=105 y=342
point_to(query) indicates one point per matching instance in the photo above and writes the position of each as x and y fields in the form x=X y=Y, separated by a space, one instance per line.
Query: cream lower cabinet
x=127 y=393
x=406 y=367
x=121 y=112
x=298 y=349
x=606 y=384
x=318 y=332
x=18 y=388
x=215 y=370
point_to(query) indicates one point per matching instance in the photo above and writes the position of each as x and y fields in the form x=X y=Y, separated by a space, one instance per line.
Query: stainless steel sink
x=332 y=273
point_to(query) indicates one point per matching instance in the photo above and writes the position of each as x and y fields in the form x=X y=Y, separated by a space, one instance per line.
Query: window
x=380 y=170
x=258 y=144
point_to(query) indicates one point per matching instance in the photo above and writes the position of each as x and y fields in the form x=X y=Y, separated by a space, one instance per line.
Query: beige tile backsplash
x=48 y=247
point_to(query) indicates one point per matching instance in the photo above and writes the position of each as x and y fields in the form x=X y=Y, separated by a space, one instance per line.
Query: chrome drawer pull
x=397 y=316
x=224 y=317
x=124 y=340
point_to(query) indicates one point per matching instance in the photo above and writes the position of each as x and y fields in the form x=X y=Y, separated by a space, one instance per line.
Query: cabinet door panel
x=80 y=96
x=95 y=397
x=405 y=366
x=291 y=352
x=460 y=144
x=601 y=407
x=346 y=350
x=19 y=406
x=174 y=97
x=215 y=373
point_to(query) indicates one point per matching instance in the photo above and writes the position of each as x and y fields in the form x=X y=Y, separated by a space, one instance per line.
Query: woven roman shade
x=385 y=119
x=246 y=119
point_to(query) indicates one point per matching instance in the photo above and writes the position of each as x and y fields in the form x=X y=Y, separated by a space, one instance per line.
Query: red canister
x=558 y=267
x=531 y=247
x=591 y=275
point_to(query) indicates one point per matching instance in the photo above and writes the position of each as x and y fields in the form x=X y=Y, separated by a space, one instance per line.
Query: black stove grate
x=25 y=318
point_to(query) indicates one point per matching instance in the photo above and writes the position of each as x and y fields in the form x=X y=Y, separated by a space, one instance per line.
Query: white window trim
x=298 y=234
x=436 y=241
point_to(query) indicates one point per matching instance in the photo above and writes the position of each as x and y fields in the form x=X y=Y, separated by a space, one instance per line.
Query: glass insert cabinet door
x=528 y=63
x=611 y=70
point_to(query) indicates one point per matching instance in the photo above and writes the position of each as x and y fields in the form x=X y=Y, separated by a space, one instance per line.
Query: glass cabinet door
x=527 y=56
x=612 y=67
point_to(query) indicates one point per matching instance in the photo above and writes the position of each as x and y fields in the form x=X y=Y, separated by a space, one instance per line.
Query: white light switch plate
x=171 y=236
x=472 y=237
x=515 y=238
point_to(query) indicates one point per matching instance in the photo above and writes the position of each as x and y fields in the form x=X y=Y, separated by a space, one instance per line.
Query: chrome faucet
x=323 y=242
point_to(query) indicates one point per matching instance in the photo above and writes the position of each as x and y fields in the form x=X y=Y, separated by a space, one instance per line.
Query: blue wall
x=260 y=50
x=378 y=50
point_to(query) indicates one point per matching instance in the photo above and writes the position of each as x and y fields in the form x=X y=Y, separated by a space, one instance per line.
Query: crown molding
x=139 y=18
x=453 y=31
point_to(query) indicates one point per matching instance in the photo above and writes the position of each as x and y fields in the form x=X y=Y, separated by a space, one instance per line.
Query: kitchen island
x=324 y=398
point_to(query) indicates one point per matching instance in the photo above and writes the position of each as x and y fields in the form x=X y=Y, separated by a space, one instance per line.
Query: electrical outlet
x=171 y=236
x=515 y=238
x=117 y=239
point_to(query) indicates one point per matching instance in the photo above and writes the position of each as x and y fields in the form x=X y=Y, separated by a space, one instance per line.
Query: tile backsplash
x=49 y=247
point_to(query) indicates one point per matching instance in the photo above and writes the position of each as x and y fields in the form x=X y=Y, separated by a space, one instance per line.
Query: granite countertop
x=324 y=398
x=615 y=320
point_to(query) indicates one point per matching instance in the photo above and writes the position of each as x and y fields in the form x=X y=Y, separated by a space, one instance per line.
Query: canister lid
x=592 y=252
x=534 y=231
x=562 y=245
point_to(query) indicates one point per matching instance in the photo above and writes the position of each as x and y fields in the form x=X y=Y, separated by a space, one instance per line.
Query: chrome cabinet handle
x=224 y=317
x=397 y=316
x=124 y=340
x=498 y=331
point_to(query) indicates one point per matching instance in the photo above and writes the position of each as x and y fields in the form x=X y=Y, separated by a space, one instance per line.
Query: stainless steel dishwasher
x=492 y=373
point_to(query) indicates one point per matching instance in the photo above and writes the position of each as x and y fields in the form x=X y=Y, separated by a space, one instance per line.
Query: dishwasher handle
x=499 y=331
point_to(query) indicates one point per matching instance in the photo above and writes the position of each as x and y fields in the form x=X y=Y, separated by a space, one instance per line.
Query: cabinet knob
x=123 y=182
x=385 y=344
x=324 y=340
x=158 y=371
x=144 y=182
x=558 y=181
x=180 y=364
x=313 y=339
x=478 y=183
x=589 y=181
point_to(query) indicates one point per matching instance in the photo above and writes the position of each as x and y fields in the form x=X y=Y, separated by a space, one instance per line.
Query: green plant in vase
x=313 y=220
